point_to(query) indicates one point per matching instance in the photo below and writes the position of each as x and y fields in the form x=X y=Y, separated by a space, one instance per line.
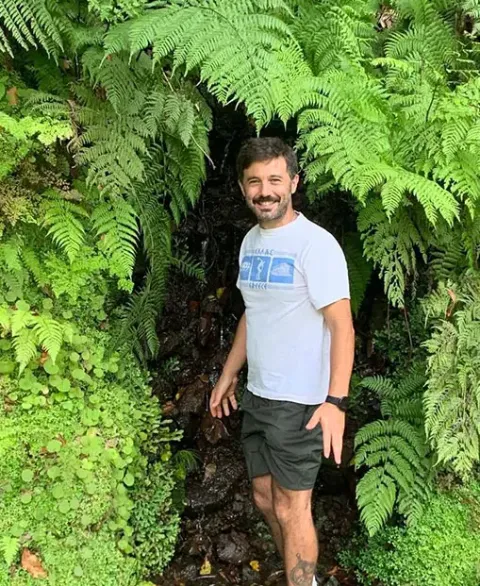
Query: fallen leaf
x=44 y=358
x=255 y=565
x=220 y=292
x=333 y=571
x=12 y=96
x=204 y=378
x=210 y=470
x=453 y=297
x=32 y=564
x=206 y=568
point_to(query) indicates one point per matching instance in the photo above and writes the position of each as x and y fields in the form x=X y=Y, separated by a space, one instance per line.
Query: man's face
x=268 y=190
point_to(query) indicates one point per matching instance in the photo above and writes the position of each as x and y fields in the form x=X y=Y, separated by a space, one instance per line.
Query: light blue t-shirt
x=287 y=275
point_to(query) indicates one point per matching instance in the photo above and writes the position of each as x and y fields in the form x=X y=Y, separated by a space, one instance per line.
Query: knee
x=290 y=510
x=283 y=510
x=263 y=502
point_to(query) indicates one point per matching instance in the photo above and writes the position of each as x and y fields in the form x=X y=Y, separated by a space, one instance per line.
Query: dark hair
x=265 y=149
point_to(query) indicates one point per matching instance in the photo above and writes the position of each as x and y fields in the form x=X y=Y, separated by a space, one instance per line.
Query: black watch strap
x=340 y=402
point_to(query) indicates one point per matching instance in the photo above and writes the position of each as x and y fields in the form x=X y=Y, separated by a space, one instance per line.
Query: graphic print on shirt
x=261 y=269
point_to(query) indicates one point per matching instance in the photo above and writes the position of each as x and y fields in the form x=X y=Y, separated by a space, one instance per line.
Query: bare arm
x=338 y=318
x=224 y=391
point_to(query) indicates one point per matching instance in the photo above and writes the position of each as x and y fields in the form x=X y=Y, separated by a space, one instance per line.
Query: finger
x=214 y=402
x=314 y=421
x=337 y=444
x=233 y=402
x=213 y=408
x=327 y=442
x=226 y=408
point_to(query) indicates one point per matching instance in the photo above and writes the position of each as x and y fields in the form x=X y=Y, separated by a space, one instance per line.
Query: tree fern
x=359 y=269
x=31 y=23
x=393 y=245
x=333 y=33
x=396 y=453
x=244 y=51
x=452 y=397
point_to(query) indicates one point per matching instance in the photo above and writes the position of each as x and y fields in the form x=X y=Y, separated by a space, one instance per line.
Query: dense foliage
x=440 y=550
x=104 y=115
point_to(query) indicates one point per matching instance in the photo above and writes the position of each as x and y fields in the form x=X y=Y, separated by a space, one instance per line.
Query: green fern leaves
x=29 y=331
x=31 y=23
x=244 y=51
x=395 y=452
x=116 y=224
x=452 y=396
x=62 y=218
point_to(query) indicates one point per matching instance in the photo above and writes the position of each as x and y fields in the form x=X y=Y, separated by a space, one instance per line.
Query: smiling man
x=297 y=336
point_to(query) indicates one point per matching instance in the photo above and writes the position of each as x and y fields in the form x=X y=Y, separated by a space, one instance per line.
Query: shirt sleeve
x=325 y=272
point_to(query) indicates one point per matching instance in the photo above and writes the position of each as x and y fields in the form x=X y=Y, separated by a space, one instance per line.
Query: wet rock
x=213 y=429
x=170 y=342
x=193 y=397
x=205 y=495
x=249 y=576
x=198 y=545
x=211 y=304
x=189 y=573
x=233 y=548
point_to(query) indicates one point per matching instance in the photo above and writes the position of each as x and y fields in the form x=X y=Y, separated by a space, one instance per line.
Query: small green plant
x=441 y=549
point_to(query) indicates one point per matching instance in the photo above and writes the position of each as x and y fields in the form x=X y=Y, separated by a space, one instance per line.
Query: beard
x=269 y=208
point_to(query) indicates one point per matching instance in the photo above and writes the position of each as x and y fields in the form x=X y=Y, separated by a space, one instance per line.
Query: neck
x=289 y=216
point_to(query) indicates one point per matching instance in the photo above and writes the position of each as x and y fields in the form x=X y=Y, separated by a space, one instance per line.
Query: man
x=298 y=337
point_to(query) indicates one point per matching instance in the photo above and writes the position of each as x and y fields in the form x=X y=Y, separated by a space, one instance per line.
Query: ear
x=295 y=183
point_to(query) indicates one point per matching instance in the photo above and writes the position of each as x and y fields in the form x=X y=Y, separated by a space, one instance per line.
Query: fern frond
x=395 y=451
x=189 y=266
x=244 y=51
x=116 y=224
x=66 y=229
x=49 y=333
x=25 y=346
x=375 y=510
x=31 y=23
x=451 y=400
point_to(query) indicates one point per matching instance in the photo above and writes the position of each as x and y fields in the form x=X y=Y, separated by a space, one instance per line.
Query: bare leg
x=263 y=498
x=294 y=514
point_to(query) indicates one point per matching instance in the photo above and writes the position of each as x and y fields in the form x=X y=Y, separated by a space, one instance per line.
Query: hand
x=332 y=421
x=223 y=394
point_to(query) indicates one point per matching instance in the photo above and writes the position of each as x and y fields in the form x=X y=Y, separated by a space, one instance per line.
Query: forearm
x=238 y=354
x=342 y=350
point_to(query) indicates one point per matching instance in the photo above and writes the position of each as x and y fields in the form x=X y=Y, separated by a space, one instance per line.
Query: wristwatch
x=340 y=402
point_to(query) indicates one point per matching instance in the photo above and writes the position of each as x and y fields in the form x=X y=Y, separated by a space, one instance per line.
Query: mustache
x=266 y=199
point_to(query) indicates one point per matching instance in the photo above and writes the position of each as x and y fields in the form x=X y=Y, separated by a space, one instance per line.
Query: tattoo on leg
x=303 y=573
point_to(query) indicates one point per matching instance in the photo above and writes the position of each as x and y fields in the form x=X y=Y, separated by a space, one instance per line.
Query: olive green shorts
x=276 y=442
